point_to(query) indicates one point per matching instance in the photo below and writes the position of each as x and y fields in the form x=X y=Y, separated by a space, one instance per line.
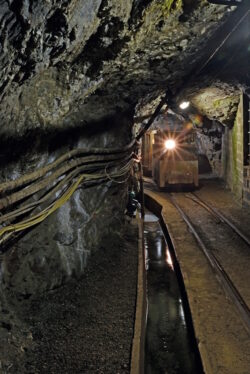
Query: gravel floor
x=86 y=326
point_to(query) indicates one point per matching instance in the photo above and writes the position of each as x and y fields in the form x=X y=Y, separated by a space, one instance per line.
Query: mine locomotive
x=170 y=157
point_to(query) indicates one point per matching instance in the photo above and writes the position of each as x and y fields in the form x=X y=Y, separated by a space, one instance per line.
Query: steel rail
x=205 y=206
x=221 y=274
x=225 y=220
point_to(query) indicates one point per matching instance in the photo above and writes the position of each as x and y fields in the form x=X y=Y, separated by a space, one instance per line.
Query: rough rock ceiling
x=215 y=93
x=66 y=63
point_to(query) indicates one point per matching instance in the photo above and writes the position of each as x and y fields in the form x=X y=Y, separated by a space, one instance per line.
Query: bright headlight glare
x=184 y=104
x=170 y=144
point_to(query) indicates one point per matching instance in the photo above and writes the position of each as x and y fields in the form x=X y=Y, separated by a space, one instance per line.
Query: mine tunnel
x=124 y=186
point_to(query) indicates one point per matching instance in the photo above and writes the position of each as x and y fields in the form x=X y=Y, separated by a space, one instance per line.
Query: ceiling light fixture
x=184 y=104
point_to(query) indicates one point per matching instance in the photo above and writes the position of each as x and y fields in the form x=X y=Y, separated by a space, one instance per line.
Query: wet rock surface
x=85 y=326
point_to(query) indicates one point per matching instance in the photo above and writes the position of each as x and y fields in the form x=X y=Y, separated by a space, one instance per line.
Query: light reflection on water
x=150 y=217
x=168 y=349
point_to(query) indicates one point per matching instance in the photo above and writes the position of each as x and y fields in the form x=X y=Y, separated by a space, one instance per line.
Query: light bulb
x=184 y=104
x=170 y=144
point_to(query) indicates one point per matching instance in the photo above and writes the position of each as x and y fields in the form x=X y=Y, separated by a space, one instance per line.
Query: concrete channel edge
x=137 y=352
x=154 y=206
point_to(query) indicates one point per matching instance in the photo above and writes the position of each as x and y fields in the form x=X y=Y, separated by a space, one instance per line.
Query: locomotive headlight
x=170 y=144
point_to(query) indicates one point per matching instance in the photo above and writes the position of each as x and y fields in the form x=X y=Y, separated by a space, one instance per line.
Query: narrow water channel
x=169 y=348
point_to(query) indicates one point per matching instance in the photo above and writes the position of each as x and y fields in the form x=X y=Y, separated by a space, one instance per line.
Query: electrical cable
x=31 y=177
x=7 y=231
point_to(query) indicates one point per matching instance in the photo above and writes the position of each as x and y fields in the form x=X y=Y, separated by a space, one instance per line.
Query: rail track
x=222 y=275
x=221 y=217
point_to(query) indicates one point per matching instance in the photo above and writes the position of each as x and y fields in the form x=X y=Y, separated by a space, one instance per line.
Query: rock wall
x=232 y=154
x=58 y=248
x=209 y=141
x=214 y=99
x=246 y=114
x=66 y=63
x=246 y=190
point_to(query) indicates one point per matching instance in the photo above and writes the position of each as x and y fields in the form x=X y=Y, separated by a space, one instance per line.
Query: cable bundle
x=58 y=181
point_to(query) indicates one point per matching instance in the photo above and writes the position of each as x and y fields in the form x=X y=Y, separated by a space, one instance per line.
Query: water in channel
x=168 y=347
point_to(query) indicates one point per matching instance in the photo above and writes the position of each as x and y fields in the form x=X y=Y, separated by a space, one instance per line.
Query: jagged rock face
x=215 y=99
x=209 y=142
x=65 y=63
x=58 y=248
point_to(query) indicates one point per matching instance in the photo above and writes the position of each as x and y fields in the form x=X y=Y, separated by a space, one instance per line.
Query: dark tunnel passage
x=107 y=106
